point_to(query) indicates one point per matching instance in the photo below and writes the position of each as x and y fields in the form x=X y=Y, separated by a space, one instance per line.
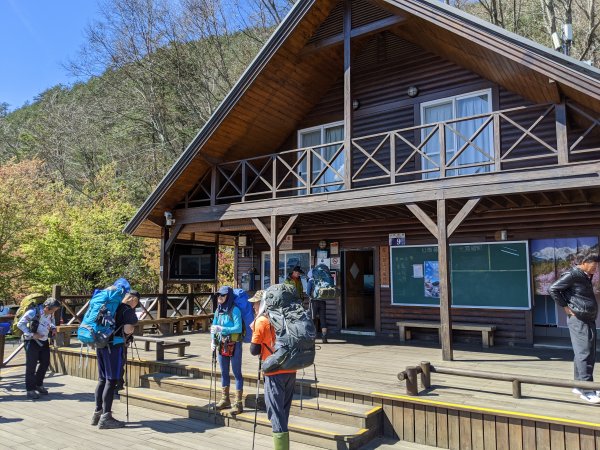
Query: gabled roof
x=283 y=83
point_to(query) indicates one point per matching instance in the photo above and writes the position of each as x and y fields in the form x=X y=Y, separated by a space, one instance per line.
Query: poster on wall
x=384 y=266
x=334 y=248
x=431 y=279
x=550 y=258
x=287 y=243
x=396 y=239
x=335 y=263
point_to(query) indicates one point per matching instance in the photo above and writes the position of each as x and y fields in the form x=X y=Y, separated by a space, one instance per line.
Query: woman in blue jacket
x=226 y=340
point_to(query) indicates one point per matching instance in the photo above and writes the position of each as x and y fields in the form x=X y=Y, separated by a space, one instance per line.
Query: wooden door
x=359 y=292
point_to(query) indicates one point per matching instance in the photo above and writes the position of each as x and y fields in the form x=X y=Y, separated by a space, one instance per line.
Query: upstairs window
x=478 y=155
x=327 y=167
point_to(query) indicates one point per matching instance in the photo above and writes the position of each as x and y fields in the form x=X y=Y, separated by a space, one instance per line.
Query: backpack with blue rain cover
x=322 y=285
x=98 y=324
x=240 y=299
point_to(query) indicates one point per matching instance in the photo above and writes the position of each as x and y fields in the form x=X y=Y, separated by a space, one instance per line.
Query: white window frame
x=453 y=99
x=322 y=128
x=281 y=253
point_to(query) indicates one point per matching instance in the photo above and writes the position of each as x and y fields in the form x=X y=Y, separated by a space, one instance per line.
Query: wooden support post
x=213 y=186
x=236 y=250
x=56 y=291
x=411 y=381
x=181 y=349
x=274 y=274
x=347 y=96
x=425 y=374
x=164 y=274
x=562 y=143
x=444 y=273
x=516 y=385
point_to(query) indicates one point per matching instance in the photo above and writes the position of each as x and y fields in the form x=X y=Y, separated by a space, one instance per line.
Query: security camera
x=169 y=219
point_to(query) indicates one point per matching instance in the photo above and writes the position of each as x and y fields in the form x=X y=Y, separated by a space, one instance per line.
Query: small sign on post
x=396 y=239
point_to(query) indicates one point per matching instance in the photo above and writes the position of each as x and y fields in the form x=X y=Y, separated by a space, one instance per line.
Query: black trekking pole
x=126 y=384
x=210 y=389
x=316 y=385
x=256 y=401
x=214 y=376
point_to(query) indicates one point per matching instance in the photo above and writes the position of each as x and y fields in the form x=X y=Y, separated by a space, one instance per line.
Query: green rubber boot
x=281 y=441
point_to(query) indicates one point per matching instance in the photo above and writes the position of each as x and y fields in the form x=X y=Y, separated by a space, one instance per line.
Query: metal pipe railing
x=425 y=369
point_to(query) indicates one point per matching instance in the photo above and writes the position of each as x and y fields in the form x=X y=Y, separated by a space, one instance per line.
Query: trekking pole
x=126 y=385
x=210 y=389
x=316 y=385
x=256 y=401
x=302 y=387
x=214 y=371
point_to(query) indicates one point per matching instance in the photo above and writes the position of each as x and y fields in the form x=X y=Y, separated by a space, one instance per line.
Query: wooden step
x=302 y=429
x=335 y=411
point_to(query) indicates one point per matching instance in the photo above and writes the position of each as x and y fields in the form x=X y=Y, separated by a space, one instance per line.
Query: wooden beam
x=572 y=176
x=263 y=230
x=286 y=228
x=274 y=250
x=173 y=235
x=164 y=273
x=347 y=95
x=424 y=218
x=462 y=214
x=445 y=288
x=363 y=31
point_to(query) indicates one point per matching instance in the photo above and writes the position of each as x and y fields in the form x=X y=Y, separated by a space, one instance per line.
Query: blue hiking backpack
x=322 y=286
x=98 y=324
x=240 y=299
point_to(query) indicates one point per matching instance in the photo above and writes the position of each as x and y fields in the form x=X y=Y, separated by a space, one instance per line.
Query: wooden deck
x=366 y=365
x=61 y=421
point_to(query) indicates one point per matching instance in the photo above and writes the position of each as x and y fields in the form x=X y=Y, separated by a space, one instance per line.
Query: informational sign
x=397 y=239
x=384 y=266
x=321 y=254
x=336 y=263
x=334 y=248
x=326 y=261
x=287 y=243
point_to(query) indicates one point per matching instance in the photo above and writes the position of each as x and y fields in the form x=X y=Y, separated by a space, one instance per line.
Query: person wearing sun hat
x=256 y=301
x=294 y=280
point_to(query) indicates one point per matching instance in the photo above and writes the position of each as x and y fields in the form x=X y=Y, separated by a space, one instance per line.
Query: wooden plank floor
x=61 y=421
x=368 y=365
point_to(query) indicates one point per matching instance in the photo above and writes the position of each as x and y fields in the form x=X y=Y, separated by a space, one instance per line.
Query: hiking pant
x=583 y=339
x=318 y=309
x=110 y=365
x=279 y=392
x=34 y=353
x=236 y=364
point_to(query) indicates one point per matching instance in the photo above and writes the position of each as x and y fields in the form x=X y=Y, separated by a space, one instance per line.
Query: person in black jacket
x=574 y=292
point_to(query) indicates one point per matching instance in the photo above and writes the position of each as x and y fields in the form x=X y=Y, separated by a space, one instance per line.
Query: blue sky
x=36 y=36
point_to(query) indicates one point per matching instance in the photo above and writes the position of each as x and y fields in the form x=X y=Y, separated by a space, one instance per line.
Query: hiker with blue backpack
x=107 y=323
x=231 y=322
x=36 y=324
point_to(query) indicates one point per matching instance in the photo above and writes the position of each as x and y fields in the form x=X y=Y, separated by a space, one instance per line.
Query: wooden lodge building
x=429 y=158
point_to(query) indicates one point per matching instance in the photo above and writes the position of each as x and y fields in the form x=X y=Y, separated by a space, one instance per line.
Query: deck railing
x=511 y=139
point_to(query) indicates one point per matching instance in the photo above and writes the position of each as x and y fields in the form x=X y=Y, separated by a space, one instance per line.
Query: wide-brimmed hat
x=257 y=296
x=297 y=269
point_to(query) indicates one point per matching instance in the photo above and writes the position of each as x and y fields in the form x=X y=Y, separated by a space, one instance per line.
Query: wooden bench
x=487 y=331
x=175 y=325
x=163 y=344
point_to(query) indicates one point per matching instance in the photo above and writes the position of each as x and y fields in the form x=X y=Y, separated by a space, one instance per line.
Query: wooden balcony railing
x=511 y=139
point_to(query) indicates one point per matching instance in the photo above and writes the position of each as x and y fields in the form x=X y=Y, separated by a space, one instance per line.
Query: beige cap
x=257 y=297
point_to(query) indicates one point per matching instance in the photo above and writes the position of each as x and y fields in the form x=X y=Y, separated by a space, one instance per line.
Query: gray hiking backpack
x=294 y=331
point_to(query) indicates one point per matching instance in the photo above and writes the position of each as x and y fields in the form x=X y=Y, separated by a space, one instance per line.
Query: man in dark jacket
x=574 y=292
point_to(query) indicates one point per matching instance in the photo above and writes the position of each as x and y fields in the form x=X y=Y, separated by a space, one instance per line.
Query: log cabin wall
x=363 y=232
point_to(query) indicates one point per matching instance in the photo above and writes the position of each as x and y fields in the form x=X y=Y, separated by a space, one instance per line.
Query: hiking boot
x=590 y=397
x=225 y=402
x=324 y=339
x=96 y=417
x=281 y=441
x=33 y=395
x=42 y=390
x=107 y=421
x=238 y=406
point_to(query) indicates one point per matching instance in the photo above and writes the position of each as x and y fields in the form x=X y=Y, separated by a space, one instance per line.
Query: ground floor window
x=287 y=260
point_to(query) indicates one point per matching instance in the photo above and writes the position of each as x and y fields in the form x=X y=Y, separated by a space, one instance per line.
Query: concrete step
x=302 y=429
x=335 y=411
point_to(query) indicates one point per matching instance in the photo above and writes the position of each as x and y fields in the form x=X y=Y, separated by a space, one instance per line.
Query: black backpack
x=294 y=331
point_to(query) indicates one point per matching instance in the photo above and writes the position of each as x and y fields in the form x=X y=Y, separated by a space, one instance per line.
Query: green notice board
x=482 y=275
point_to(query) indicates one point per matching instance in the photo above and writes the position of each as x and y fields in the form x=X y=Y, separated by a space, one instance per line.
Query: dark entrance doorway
x=359 y=290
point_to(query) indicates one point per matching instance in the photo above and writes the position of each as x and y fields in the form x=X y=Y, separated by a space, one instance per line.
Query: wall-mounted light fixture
x=412 y=91
x=169 y=219
x=355 y=104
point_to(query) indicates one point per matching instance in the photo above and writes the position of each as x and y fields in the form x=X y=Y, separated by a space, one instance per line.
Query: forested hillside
x=76 y=164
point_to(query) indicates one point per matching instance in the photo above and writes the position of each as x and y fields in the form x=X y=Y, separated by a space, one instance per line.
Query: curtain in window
x=333 y=134
x=432 y=114
x=472 y=106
